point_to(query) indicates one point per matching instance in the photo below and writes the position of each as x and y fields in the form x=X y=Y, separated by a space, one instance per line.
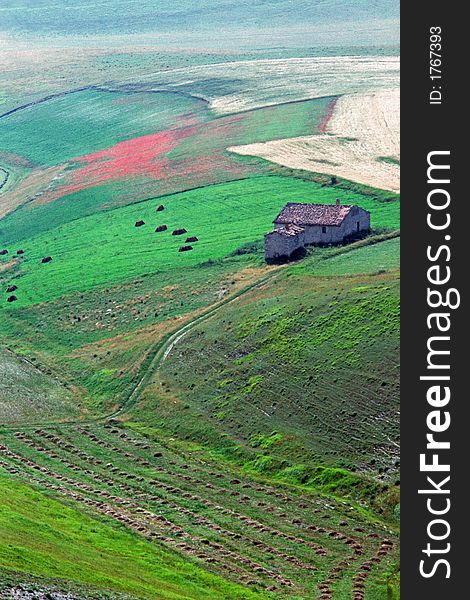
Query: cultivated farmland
x=178 y=419
x=223 y=217
x=239 y=86
x=277 y=542
x=181 y=146
x=360 y=142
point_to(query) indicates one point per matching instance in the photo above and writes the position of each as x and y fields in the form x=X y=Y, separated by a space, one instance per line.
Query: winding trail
x=163 y=347
x=155 y=357
x=6 y=176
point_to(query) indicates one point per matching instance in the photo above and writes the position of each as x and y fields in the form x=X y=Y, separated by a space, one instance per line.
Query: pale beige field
x=243 y=85
x=361 y=144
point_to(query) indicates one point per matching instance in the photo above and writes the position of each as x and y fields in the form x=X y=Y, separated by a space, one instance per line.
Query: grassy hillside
x=196 y=424
x=29 y=394
x=98 y=343
x=126 y=146
x=100 y=118
x=284 y=393
x=107 y=248
x=357 y=258
x=40 y=536
x=311 y=359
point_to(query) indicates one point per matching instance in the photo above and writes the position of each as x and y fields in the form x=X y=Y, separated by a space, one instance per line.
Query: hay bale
x=12 y=288
x=184 y=248
x=3 y=252
x=139 y=223
x=12 y=298
x=161 y=228
x=160 y=208
x=179 y=231
x=46 y=259
x=20 y=252
x=191 y=238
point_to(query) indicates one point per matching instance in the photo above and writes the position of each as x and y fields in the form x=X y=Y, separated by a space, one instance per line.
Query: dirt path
x=163 y=347
x=155 y=357
x=361 y=142
x=27 y=187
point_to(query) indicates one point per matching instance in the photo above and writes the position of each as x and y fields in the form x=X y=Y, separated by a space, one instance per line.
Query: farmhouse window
x=323 y=229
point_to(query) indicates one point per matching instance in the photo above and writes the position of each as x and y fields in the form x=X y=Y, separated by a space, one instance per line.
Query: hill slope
x=304 y=370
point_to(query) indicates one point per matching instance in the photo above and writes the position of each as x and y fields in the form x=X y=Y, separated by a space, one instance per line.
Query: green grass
x=107 y=248
x=43 y=537
x=350 y=260
x=197 y=160
x=295 y=383
x=282 y=121
x=96 y=119
x=180 y=483
x=311 y=358
x=95 y=342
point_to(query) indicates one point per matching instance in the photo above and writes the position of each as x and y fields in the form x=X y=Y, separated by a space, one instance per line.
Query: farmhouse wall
x=277 y=245
x=335 y=234
x=292 y=233
x=356 y=215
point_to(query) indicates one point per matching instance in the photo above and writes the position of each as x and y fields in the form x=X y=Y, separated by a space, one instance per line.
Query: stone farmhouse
x=299 y=225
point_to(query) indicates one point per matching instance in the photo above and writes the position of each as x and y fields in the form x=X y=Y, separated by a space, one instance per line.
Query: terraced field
x=273 y=540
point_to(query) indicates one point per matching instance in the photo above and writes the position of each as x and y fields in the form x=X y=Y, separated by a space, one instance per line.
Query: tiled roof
x=312 y=214
x=288 y=230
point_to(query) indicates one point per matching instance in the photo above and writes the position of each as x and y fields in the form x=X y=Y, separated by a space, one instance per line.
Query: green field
x=183 y=511
x=286 y=379
x=40 y=536
x=358 y=258
x=107 y=248
x=198 y=424
x=75 y=124
x=187 y=150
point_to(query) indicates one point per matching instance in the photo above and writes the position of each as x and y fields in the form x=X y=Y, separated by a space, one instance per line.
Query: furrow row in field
x=129 y=479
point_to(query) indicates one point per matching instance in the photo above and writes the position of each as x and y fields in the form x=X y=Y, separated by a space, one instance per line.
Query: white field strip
x=363 y=129
x=242 y=85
